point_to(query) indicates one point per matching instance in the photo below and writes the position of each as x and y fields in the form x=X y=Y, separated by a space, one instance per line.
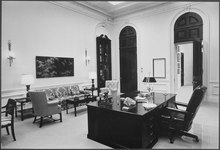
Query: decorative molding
x=164 y=8
x=215 y=90
x=81 y=9
x=214 y=82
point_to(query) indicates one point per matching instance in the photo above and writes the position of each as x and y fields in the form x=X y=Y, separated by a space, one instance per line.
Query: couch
x=62 y=93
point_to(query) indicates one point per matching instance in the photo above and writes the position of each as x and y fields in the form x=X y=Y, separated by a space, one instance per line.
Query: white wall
x=44 y=29
x=41 y=28
x=155 y=40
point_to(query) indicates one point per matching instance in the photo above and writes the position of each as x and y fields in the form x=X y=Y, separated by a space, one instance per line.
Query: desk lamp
x=27 y=79
x=149 y=80
x=92 y=76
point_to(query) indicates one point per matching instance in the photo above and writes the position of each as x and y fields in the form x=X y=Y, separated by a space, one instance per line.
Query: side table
x=22 y=101
x=93 y=89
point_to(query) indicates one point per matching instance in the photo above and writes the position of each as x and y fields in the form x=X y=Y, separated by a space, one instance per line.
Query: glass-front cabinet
x=103 y=46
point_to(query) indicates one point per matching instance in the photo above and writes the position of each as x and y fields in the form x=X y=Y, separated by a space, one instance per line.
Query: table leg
x=75 y=109
x=22 y=111
x=66 y=107
x=16 y=113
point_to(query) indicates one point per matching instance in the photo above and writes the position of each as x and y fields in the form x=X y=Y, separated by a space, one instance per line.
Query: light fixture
x=115 y=2
x=149 y=80
x=92 y=75
x=27 y=79
x=87 y=58
x=11 y=55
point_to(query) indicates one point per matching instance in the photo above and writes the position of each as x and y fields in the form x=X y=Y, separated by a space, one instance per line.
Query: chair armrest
x=181 y=104
x=177 y=110
x=53 y=102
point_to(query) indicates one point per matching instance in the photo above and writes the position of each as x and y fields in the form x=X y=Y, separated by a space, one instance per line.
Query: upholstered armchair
x=111 y=87
x=8 y=119
x=43 y=107
x=179 y=121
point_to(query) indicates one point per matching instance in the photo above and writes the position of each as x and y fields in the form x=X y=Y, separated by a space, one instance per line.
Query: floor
x=72 y=132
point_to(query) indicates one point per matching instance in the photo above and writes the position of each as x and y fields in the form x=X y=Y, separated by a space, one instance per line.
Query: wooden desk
x=110 y=125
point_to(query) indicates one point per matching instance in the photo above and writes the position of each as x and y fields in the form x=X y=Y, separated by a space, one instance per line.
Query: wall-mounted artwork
x=159 y=67
x=48 y=67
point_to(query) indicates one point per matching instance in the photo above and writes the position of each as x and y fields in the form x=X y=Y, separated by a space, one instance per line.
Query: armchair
x=179 y=121
x=8 y=119
x=111 y=87
x=43 y=107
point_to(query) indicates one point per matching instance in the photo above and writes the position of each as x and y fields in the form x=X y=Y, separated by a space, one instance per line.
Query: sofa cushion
x=74 y=89
x=50 y=93
x=62 y=92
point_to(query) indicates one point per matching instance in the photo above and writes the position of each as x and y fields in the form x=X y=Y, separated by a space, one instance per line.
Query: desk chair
x=8 y=119
x=44 y=108
x=179 y=121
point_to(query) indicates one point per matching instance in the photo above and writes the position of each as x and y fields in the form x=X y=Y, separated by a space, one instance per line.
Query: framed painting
x=159 y=67
x=48 y=67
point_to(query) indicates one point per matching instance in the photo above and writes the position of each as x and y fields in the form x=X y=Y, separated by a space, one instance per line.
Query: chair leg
x=35 y=118
x=61 y=117
x=7 y=130
x=171 y=136
x=13 y=133
x=41 y=121
x=189 y=135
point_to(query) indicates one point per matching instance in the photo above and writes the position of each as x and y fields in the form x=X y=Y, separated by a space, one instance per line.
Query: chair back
x=112 y=85
x=39 y=102
x=10 y=107
x=194 y=103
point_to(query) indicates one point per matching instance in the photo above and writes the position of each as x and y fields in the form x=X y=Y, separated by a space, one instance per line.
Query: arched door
x=128 y=59
x=189 y=28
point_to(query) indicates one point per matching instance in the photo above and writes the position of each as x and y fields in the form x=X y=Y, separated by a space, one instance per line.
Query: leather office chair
x=8 y=119
x=179 y=121
x=44 y=108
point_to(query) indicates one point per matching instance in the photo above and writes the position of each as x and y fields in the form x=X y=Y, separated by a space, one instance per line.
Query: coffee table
x=76 y=101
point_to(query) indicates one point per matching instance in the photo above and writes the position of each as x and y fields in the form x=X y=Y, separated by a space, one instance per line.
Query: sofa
x=62 y=93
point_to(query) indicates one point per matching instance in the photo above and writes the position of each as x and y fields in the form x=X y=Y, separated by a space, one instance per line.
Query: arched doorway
x=128 y=59
x=188 y=28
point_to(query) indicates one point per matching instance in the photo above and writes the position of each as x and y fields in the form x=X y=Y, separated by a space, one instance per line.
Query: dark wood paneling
x=188 y=27
x=128 y=60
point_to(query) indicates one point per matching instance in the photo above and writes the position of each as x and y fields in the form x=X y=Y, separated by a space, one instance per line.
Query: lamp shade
x=27 y=79
x=149 y=79
x=92 y=75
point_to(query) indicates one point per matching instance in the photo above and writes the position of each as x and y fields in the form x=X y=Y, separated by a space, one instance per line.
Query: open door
x=197 y=63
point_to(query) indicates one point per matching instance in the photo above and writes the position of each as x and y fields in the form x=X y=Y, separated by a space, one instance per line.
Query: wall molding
x=164 y=8
x=81 y=9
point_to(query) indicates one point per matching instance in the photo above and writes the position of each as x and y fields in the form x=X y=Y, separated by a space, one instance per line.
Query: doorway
x=128 y=60
x=188 y=36
x=184 y=57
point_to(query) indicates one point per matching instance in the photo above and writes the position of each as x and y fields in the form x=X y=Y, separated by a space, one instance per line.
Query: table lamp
x=27 y=79
x=149 y=80
x=92 y=76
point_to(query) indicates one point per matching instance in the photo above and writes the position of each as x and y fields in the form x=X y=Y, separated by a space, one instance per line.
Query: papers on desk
x=149 y=105
x=140 y=99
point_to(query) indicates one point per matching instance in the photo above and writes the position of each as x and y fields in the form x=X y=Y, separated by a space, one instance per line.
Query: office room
x=110 y=74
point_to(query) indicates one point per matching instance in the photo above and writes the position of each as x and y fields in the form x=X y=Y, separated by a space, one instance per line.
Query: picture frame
x=49 y=67
x=159 y=67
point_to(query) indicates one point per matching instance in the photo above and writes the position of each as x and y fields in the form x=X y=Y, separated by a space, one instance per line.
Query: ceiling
x=125 y=8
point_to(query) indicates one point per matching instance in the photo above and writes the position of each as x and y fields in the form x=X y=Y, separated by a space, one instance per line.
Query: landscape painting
x=48 y=67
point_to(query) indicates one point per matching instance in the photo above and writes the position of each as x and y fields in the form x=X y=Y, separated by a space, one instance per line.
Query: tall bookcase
x=104 y=72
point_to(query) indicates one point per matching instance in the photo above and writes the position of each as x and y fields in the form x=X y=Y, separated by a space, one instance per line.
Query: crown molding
x=163 y=8
x=82 y=9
